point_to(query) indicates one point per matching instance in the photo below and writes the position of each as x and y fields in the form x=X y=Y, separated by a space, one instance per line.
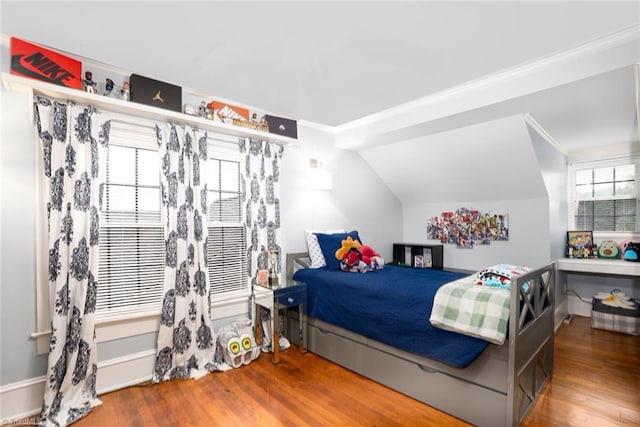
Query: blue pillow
x=330 y=243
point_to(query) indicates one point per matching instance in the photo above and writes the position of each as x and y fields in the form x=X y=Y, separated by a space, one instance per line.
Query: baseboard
x=560 y=314
x=120 y=372
x=20 y=400
x=24 y=398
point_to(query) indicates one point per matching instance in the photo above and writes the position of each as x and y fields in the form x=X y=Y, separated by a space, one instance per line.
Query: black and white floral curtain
x=261 y=197
x=73 y=140
x=186 y=340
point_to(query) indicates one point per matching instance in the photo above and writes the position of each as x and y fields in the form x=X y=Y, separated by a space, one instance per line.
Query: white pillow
x=315 y=253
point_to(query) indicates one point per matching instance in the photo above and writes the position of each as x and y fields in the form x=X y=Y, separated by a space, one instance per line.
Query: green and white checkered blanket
x=479 y=311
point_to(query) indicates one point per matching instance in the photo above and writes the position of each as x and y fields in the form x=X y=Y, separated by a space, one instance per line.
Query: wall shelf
x=36 y=87
x=600 y=266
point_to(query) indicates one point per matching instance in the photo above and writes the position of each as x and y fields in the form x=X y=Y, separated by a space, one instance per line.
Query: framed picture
x=580 y=244
x=418 y=261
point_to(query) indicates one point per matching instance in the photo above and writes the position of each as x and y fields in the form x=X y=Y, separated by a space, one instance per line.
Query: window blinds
x=131 y=231
x=227 y=258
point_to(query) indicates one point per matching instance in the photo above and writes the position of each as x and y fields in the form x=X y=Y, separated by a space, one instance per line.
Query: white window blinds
x=131 y=230
x=227 y=258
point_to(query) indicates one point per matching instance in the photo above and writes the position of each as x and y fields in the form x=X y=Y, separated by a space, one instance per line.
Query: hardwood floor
x=596 y=382
x=596 y=379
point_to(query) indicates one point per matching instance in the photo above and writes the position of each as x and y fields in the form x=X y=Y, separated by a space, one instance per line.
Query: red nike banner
x=37 y=62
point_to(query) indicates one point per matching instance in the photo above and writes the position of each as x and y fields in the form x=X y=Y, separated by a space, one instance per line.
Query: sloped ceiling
x=493 y=160
x=324 y=62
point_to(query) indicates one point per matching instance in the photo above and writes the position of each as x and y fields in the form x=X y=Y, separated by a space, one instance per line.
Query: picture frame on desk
x=580 y=244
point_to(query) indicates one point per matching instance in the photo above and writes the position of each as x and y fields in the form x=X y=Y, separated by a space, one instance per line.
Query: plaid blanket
x=478 y=311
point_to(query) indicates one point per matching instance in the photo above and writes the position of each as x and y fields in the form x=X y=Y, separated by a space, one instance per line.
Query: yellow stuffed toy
x=347 y=244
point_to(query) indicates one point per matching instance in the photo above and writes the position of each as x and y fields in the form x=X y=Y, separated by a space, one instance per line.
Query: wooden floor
x=596 y=383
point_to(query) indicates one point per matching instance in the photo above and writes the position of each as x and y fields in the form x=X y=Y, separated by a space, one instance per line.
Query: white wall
x=492 y=160
x=553 y=167
x=17 y=256
x=358 y=200
x=528 y=242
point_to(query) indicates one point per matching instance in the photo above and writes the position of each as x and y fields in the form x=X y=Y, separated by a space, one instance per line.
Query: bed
x=482 y=383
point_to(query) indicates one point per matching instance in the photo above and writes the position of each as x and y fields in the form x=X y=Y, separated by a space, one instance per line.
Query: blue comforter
x=392 y=306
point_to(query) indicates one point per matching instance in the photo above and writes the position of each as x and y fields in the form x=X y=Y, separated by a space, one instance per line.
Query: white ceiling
x=334 y=62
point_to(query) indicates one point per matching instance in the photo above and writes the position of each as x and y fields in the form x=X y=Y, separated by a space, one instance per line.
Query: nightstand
x=284 y=295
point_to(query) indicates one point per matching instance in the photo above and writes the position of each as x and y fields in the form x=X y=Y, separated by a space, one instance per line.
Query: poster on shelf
x=37 y=62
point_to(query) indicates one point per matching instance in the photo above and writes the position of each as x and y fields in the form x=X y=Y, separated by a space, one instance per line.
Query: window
x=131 y=278
x=227 y=258
x=131 y=271
x=604 y=195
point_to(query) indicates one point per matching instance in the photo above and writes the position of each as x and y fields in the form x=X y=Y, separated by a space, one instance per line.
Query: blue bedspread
x=392 y=306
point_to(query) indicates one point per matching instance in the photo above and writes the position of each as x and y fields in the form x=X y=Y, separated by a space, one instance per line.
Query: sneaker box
x=282 y=126
x=36 y=62
x=155 y=93
x=227 y=113
x=615 y=319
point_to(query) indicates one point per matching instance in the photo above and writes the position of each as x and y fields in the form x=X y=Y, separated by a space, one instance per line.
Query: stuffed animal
x=347 y=244
x=236 y=344
x=368 y=254
x=632 y=252
x=356 y=257
x=608 y=249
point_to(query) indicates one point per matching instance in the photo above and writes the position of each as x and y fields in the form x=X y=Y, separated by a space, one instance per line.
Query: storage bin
x=615 y=318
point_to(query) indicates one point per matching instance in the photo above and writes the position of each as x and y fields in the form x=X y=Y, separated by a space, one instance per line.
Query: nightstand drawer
x=288 y=299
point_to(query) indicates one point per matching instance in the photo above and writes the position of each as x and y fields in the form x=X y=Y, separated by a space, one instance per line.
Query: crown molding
x=543 y=133
x=507 y=84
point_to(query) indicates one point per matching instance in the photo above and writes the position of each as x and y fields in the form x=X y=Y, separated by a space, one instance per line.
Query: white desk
x=617 y=267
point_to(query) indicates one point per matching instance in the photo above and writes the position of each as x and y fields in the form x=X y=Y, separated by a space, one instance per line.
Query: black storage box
x=155 y=93
x=282 y=126
x=615 y=319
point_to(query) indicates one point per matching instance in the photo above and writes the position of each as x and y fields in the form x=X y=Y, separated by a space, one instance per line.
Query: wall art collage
x=468 y=227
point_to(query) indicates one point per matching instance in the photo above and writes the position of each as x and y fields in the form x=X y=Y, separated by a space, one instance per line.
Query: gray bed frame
x=497 y=389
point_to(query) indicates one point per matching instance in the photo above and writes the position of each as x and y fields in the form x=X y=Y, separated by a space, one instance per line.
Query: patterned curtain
x=73 y=140
x=261 y=166
x=186 y=341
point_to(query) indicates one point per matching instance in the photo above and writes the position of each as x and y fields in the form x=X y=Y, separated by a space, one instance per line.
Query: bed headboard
x=298 y=258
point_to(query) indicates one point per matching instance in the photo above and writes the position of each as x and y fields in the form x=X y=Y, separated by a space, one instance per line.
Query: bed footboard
x=530 y=340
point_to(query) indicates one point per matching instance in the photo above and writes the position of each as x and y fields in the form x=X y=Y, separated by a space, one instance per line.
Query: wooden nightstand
x=284 y=295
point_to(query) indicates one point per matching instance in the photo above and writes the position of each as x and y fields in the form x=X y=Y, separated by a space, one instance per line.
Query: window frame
x=573 y=199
